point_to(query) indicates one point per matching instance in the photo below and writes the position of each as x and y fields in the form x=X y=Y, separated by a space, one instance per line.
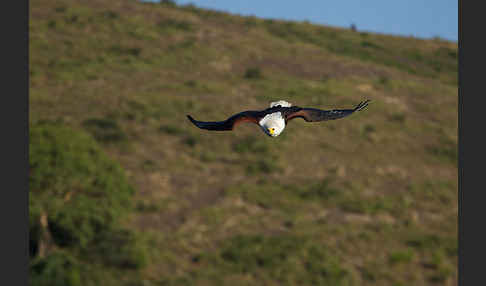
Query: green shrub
x=105 y=130
x=368 y=44
x=60 y=9
x=120 y=51
x=168 y=24
x=110 y=14
x=401 y=256
x=183 y=44
x=383 y=80
x=51 y=24
x=285 y=258
x=446 y=150
x=368 y=128
x=251 y=21
x=247 y=253
x=120 y=248
x=170 y=3
x=362 y=206
x=170 y=129
x=83 y=194
x=57 y=269
x=263 y=165
x=253 y=73
x=320 y=190
x=190 y=83
x=397 y=117
x=423 y=241
x=80 y=189
x=190 y=141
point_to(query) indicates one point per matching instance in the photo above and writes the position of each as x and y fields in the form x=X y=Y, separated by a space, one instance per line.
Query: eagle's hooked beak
x=271 y=130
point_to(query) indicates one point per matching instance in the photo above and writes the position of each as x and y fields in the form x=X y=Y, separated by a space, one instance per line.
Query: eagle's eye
x=271 y=130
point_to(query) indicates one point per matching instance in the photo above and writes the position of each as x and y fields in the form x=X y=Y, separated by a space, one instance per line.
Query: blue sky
x=419 y=18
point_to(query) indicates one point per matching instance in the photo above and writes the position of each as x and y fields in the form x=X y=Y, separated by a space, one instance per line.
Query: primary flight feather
x=274 y=119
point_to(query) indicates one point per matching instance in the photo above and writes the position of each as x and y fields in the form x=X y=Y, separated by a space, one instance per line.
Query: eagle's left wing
x=314 y=114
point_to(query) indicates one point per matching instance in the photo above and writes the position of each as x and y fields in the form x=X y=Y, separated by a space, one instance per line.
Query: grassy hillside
x=370 y=199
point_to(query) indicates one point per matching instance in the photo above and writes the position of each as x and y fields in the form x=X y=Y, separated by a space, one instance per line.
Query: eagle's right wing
x=230 y=123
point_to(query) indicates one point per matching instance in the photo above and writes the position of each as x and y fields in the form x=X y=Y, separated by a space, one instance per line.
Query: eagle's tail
x=362 y=105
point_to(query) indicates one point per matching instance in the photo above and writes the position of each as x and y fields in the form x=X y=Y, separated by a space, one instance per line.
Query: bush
x=293 y=259
x=446 y=150
x=170 y=3
x=263 y=165
x=397 y=117
x=190 y=141
x=404 y=256
x=174 y=24
x=253 y=73
x=247 y=253
x=83 y=194
x=321 y=190
x=75 y=184
x=119 y=248
x=368 y=44
x=120 y=51
x=105 y=130
x=170 y=129
x=57 y=269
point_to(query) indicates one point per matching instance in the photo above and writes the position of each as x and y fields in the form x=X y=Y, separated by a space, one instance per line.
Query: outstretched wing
x=313 y=114
x=230 y=123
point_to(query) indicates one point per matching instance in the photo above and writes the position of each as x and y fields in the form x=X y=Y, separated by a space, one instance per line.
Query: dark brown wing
x=230 y=123
x=313 y=114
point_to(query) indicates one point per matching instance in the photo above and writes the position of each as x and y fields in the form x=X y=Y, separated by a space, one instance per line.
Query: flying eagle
x=274 y=119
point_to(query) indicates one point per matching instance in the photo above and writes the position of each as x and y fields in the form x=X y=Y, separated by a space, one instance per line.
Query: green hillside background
x=124 y=190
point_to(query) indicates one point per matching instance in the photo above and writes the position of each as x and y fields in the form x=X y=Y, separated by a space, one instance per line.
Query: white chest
x=273 y=119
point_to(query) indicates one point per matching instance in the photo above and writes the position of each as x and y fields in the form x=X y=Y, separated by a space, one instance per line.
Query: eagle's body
x=274 y=119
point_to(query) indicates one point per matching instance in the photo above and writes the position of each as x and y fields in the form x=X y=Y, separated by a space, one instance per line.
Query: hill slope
x=366 y=200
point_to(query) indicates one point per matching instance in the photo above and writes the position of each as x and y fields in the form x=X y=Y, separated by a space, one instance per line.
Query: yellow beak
x=271 y=130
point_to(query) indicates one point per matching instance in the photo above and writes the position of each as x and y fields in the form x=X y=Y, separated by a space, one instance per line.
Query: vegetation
x=124 y=190
x=77 y=198
x=253 y=73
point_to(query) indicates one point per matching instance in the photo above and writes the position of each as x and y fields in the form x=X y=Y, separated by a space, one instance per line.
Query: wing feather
x=314 y=114
x=228 y=124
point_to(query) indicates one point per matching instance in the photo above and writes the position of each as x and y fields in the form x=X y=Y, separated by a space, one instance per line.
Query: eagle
x=274 y=119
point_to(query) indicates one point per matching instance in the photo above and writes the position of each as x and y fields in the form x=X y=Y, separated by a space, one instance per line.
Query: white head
x=282 y=103
x=272 y=124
